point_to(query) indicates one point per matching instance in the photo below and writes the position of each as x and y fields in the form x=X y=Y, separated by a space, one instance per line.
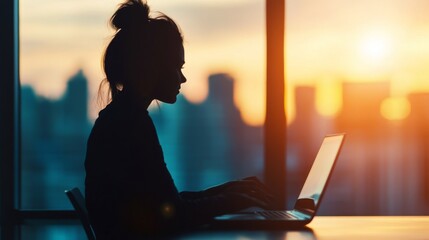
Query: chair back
x=78 y=201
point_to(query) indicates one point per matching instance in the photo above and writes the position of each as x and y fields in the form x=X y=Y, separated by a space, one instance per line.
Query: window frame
x=9 y=118
x=11 y=214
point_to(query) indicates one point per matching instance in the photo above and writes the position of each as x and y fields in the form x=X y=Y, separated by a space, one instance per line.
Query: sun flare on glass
x=395 y=108
x=375 y=47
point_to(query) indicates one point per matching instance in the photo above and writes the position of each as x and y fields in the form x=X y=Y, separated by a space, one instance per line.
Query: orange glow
x=328 y=97
x=290 y=109
x=362 y=42
x=395 y=108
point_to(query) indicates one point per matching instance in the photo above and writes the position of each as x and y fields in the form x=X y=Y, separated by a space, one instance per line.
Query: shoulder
x=121 y=119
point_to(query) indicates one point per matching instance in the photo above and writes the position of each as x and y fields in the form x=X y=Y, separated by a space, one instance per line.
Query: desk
x=335 y=228
x=369 y=228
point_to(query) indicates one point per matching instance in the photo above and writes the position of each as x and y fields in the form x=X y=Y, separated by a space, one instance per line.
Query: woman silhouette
x=129 y=190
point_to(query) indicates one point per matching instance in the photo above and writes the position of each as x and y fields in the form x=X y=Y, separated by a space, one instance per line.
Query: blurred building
x=208 y=143
x=54 y=134
x=360 y=162
x=416 y=138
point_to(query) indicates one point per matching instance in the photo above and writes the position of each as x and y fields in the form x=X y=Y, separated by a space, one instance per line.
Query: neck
x=145 y=102
x=141 y=101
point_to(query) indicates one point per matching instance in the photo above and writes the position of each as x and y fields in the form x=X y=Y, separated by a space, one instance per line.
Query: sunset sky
x=327 y=42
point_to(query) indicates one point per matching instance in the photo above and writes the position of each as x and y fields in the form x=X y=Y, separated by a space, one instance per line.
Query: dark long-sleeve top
x=128 y=185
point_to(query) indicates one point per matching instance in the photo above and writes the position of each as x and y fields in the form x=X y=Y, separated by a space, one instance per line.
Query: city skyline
x=381 y=170
x=326 y=42
x=394 y=108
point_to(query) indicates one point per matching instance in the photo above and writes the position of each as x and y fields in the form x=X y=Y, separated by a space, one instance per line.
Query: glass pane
x=48 y=230
x=212 y=134
x=360 y=67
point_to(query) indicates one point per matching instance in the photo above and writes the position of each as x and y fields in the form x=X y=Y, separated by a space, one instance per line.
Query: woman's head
x=146 y=55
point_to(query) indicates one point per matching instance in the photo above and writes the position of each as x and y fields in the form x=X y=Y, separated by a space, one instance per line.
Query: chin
x=168 y=100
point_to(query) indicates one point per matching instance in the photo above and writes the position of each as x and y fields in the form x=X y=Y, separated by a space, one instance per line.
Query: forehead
x=177 y=53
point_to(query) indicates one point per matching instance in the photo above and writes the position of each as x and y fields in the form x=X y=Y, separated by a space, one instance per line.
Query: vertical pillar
x=275 y=120
x=9 y=116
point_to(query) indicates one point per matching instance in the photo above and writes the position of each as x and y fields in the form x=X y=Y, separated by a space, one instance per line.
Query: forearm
x=198 y=212
x=190 y=195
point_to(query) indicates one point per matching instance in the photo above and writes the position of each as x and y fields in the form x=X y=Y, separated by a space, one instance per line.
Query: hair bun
x=130 y=14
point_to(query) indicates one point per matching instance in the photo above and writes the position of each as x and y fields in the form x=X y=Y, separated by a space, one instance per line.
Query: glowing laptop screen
x=321 y=168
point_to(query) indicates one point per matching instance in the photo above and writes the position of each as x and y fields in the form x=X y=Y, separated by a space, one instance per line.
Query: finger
x=262 y=195
x=252 y=201
x=255 y=192
x=247 y=186
x=251 y=178
x=255 y=181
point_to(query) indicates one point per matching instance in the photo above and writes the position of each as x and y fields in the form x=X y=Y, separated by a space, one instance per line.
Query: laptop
x=305 y=206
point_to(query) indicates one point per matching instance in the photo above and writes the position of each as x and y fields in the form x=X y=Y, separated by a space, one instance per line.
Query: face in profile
x=171 y=76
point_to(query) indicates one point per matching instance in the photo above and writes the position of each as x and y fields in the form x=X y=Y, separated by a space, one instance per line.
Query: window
x=358 y=68
x=61 y=44
x=222 y=102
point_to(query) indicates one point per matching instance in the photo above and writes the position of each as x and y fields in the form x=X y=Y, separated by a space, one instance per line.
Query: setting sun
x=375 y=47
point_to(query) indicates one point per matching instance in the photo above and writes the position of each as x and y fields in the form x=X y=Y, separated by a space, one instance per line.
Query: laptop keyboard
x=276 y=215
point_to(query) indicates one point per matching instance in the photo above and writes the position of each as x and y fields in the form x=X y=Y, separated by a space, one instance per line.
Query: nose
x=183 y=78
